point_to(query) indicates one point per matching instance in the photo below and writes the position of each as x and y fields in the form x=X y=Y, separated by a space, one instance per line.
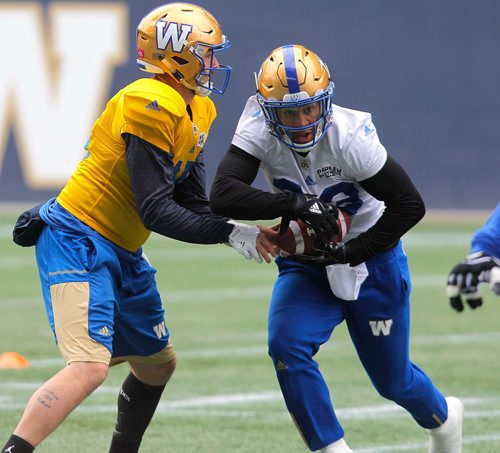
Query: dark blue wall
x=427 y=70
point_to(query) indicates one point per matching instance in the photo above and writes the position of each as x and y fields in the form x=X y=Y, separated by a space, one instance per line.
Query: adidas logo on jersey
x=368 y=130
x=153 y=106
x=104 y=331
x=309 y=181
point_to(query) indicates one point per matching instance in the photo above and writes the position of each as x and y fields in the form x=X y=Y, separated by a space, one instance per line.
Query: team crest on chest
x=328 y=171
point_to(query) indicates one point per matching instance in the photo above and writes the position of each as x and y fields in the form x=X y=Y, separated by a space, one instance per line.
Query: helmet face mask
x=212 y=75
x=176 y=39
x=294 y=79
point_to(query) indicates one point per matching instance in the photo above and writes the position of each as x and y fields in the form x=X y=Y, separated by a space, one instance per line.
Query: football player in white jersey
x=308 y=147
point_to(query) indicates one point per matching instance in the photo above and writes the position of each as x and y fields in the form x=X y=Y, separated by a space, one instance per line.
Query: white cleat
x=447 y=438
x=339 y=446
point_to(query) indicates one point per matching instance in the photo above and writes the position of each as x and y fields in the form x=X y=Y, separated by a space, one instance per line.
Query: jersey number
x=349 y=203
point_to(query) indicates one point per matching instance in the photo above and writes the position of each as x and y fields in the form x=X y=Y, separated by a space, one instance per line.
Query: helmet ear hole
x=180 y=61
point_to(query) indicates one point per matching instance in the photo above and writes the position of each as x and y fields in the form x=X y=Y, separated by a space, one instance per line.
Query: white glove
x=243 y=239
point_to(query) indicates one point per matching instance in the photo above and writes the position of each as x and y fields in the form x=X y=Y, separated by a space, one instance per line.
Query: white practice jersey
x=349 y=152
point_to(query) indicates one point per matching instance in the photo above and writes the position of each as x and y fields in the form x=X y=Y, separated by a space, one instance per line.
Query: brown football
x=299 y=238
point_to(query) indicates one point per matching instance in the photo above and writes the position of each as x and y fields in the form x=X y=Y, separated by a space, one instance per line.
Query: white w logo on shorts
x=383 y=327
x=160 y=330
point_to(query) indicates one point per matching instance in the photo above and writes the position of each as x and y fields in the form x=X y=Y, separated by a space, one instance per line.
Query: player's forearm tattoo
x=47 y=397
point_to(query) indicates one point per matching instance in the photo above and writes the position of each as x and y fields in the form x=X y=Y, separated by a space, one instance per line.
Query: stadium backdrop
x=427 y=71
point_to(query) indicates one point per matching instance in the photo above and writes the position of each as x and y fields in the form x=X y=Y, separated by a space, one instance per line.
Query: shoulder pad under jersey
x=151 y=110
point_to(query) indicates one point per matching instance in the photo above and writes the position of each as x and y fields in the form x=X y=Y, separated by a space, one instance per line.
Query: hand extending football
x=465 y=277
x=253 y=242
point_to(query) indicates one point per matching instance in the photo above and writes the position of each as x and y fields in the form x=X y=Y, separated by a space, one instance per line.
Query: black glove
x=330 y=254
x=466 y=276
x=319 y=215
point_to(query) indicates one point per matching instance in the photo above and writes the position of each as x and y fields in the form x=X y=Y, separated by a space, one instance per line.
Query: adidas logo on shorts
x=104 y=331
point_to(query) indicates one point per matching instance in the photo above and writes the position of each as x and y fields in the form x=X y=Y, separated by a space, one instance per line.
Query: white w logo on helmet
x=169 y=32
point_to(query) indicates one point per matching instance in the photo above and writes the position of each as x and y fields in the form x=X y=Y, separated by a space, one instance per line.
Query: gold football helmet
x=176 y=39
x=292 y=80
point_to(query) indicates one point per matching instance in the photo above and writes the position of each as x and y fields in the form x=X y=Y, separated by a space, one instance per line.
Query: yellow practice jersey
x=99 y=192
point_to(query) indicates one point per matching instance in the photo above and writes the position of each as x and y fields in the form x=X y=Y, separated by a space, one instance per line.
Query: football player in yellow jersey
x=143 y=172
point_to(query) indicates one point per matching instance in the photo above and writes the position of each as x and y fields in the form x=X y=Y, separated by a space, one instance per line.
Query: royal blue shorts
x=92 y=287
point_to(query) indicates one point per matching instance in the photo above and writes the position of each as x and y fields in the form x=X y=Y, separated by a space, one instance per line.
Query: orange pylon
x=13 y=360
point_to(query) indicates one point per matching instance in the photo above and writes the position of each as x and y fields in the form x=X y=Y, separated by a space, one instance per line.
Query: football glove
x=330 y=254
x=300 y=238
x=466 y=276
x=319 y=215
x=243 y=239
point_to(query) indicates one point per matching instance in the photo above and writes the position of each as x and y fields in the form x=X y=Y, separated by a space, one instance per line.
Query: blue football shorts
x=101 y=301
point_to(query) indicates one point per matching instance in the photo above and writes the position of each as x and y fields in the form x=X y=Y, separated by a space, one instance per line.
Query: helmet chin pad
x=285 y=134
x=203 y=90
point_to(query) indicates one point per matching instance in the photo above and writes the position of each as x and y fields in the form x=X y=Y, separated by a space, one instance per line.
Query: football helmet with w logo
x=295 y=93
x=181 y=39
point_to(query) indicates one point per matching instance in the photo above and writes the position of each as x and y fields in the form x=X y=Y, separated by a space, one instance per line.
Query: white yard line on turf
x=208 y=406
x=256 y=350
x=205 y=295
x=421 y=446
x=387 y=410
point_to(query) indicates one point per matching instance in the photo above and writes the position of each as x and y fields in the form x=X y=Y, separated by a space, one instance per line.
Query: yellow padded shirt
x=99 y=191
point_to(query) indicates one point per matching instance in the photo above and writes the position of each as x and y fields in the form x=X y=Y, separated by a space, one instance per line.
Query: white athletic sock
x=339 y=446
x=447 y=438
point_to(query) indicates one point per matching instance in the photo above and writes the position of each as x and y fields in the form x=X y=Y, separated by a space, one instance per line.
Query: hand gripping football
x=299 y=238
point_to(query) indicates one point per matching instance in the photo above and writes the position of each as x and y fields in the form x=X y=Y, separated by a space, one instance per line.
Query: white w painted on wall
x=168 y=32
x=55 y=77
